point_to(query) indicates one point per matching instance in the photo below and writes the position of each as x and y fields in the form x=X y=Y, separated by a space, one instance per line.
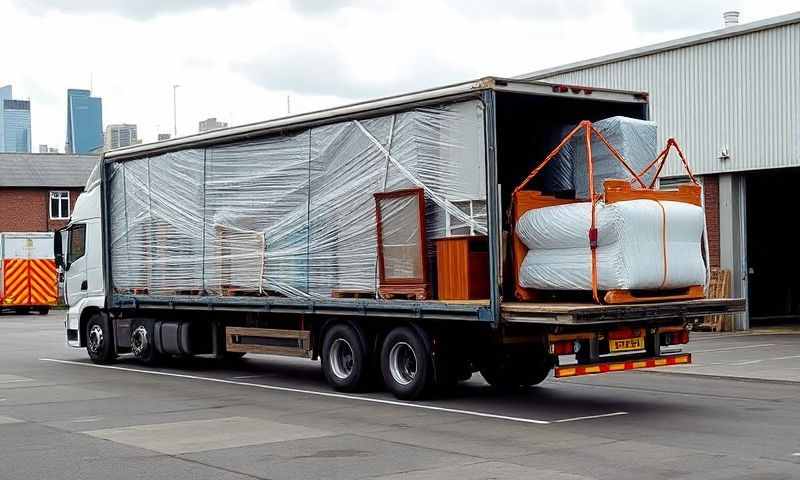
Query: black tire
x=517 y=371
x=142 y=343
x=233 y=355
x=99 y=342
x=43 y=311
x=22 y=311
x=406 y=364
x=344 y=358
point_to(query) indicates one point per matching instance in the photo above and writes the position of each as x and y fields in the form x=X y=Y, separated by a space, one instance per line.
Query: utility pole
x=174 y=111
x=288 y=105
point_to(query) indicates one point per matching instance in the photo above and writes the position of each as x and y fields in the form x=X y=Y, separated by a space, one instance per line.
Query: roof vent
x=731 y=18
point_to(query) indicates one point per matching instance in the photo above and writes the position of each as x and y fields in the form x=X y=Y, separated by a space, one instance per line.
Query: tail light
x=566 y=347
x=680 y=337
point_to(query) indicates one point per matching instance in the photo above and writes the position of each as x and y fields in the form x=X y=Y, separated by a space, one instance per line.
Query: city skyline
x=15 y=122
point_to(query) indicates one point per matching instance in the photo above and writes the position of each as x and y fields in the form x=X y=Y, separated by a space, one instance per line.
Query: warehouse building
x=731 y=98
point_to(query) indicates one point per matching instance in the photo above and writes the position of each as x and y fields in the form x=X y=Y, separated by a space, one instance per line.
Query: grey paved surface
x=275 y=418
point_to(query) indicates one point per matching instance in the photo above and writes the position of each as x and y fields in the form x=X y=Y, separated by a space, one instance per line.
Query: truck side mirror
x=57 y=249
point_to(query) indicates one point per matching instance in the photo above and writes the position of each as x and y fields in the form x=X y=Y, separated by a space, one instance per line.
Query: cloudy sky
x=238 y=60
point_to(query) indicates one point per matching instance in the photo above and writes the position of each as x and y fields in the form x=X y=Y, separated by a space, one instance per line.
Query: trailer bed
x=475 y=310
x=588 y=314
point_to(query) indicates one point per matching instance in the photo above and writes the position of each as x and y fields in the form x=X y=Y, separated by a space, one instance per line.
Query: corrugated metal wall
x=741 y=92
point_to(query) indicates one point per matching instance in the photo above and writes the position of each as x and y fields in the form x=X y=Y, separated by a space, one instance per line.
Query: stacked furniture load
x=619 y=237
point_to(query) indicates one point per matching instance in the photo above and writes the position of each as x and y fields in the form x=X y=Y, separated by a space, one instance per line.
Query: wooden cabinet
x=402 y=263
x=462 y=268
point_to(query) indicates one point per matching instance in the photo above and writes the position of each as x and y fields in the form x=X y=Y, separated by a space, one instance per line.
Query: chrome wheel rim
x=139 y=341
x=402 y=363
x=341 y=358
x=95 y=340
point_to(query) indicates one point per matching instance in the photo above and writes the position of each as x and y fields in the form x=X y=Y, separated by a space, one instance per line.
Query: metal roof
x=45 y=169
x=707 y=37
x=358 y=110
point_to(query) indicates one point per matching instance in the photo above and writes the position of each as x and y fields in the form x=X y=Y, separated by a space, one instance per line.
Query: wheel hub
x=341 y=358
x=95 y=340
x=140 y=341
x=402 y=363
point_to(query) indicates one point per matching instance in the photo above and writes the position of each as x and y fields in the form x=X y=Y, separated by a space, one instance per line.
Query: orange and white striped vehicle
x=28 y=277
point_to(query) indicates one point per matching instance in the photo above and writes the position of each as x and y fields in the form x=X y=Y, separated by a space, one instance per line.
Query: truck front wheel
x=406 y=364
x=98 y=339
x=344 y=358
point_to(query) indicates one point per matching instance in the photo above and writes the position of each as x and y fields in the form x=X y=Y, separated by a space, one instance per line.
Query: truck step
x=294 y=343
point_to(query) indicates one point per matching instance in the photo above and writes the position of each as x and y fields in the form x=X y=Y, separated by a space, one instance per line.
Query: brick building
x=38 y=191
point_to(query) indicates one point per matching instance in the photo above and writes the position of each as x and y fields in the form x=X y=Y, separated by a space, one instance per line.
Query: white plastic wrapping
x=631 y=247
x=291 y=215
x=634 y=139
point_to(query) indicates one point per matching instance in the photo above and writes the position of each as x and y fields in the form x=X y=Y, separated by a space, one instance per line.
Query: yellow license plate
x=626 y=344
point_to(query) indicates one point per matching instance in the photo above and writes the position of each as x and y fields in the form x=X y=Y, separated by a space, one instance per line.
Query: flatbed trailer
x=135 y=302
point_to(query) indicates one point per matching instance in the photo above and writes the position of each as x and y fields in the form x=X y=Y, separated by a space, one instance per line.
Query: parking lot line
x=396 y=403
x=740 y=347
x=340 y=395
x=590 y=417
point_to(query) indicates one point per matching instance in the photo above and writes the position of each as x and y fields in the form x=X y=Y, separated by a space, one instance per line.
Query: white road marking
x=16 y=380
x=796 y=454
x=752 y=362
x=309 y=392
x=3 y=399
x=341 y=395
x=741 y=347
x=86 y=419
x=589 y=417
x=242 y=377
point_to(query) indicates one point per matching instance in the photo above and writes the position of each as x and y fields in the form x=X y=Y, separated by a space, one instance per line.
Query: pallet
x=719 y=286
x=233 y=291
x=620 y=297
x=351 y=293
x=405 y=292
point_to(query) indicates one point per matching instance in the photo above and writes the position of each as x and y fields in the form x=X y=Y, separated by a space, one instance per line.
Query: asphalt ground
x=275 y=418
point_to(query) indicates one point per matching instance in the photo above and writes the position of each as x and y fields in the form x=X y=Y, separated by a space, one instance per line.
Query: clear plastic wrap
x=630 y=252
x=292 y=215
x=634 y=139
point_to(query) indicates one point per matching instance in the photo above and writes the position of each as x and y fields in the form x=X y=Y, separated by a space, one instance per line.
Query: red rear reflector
x=564 y=348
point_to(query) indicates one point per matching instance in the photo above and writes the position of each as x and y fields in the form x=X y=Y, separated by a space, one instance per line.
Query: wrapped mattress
x=631 y=246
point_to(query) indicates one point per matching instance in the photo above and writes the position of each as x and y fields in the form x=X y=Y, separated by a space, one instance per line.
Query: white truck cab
x=79 y=254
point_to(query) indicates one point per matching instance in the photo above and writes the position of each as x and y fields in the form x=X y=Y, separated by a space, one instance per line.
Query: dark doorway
x=773 y=250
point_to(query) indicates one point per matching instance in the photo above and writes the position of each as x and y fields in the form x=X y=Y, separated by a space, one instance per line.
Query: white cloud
x=239 y=59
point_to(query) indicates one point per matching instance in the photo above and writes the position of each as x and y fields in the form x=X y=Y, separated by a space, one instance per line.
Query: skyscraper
x=211 y=124
x=15 y=123
x=84 y=122
x=121 y=135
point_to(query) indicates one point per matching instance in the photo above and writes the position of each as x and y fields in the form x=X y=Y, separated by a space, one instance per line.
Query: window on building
x=59 y=205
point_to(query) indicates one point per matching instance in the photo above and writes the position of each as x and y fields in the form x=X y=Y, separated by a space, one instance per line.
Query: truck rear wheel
x=99 y=344
x=406 y=364
x=142 y=343
x=517 y=371
x=344 y=358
